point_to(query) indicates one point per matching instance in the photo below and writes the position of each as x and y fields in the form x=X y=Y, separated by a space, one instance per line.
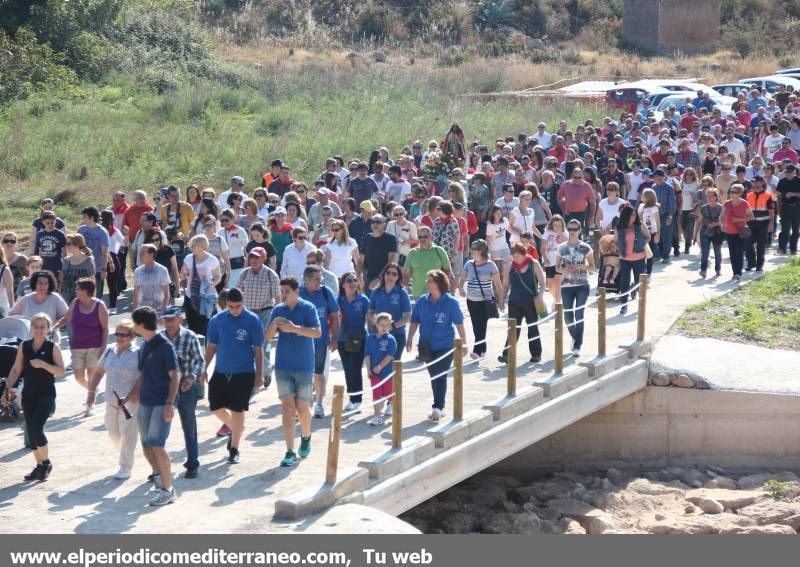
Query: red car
x=625 y=98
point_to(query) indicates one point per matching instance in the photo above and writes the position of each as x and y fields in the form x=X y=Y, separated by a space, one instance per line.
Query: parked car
x=731 y=89
x=771 y=82
x=627 y=96
x=655 y=99
x=790 y=71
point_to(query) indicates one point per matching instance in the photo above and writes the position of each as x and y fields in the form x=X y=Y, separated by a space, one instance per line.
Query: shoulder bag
x=490 y=305
x=353 y=339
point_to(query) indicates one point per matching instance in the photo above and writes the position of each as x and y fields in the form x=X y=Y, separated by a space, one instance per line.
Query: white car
x=770 y=83
x=731 y=89
x=790 y=71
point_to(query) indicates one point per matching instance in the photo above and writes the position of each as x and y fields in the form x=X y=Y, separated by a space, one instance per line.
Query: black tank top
x=37 y=380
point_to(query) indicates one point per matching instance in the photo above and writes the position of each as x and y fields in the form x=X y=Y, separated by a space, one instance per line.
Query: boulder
x=689 y=509
x=644 y=486
x=710 y=506
x=572 y=527
x=694 y=525
x=682 y=381
x=660 y=379
x=570 y=507
x=757 y=480
x=598 y=523
x=720 y=482
x=615 y=476
x=731 y=500
x=769 y=511
x=792 y=521
x=772 y=529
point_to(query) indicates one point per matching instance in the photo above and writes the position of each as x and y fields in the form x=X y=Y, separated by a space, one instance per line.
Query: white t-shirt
x=635 y=181
x=649 y=217
x=149 y=283
x=691 y=195
x=398 y=191
x=341 y=256
x=205 y=270
x=222 y=200
x=404 y=234
x=772 y=144
x=735 y=147
x=551 y=241
x=523 y=223
x=496 y=235
x=609 y=211
x=115 y=241
x=236 y=240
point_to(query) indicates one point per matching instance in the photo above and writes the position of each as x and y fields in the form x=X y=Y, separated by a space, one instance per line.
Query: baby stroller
x=13 y=330
x=605 y=249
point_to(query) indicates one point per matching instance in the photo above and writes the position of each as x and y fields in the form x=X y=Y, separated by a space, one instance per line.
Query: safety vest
x=760 y=204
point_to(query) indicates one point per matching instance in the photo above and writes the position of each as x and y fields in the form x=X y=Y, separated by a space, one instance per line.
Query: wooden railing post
x=458 y=381
x=511 y=357
x=397 y=405
x=601 y=321
x=334 y=435
x=558 y=363
x=642 y=307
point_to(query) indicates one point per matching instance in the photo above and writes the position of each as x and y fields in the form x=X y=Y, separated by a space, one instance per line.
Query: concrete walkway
x=81 y=497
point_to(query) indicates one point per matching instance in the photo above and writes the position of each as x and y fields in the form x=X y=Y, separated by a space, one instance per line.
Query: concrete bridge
x=258 y=496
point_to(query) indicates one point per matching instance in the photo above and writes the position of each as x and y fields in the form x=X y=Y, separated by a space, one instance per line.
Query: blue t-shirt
x=436 y=320
x=325 y=302
x=295 y=353
x=396 y=303
x=236 y=338
x=96 y=238
x=377 y=349
x=354 y=314
x=156 y=358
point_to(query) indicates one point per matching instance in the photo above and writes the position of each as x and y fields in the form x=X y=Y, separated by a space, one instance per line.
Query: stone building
x=665 y=26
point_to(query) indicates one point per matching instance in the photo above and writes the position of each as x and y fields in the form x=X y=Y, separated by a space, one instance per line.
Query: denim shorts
x=153 y=430
x=295 y=385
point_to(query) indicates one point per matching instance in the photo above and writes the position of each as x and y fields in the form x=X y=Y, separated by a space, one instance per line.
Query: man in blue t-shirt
x=298 y=323
x=323 y=299
x=235 y=336
x=160 y=378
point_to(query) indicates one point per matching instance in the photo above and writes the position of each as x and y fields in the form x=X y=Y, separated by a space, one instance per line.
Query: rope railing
x=459 y=364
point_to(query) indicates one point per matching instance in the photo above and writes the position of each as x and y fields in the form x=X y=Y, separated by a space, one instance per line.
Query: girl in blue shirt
x=353 y=307
x=436 y=314
x=391 y=297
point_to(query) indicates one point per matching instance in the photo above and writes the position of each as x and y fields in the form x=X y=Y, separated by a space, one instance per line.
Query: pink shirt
x=731 y=211
x=782 y=154
x=575 y=197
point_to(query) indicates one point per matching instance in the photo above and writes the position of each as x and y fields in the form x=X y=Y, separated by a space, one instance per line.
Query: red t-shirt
x=575 y=197
x=731 y=211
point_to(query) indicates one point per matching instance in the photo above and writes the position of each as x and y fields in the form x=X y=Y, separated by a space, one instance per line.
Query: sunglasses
x=156 y=239
x=381 y=222
x=208 y=226
x=122 y=335
x=398 y=215
x=351 y=280
x=9 y=241
x=395 y=274
x=337 y=229
x=424 y=237
x=301 y=237
x=573 y=230
x=224 y=220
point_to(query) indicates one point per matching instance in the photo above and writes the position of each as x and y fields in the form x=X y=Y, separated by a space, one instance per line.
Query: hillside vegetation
x=98 y=95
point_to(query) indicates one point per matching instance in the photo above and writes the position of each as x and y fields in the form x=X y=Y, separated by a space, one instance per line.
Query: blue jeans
x=575 y=296
x=264 y=316
x=99 y=282
x=705 y=251
x=186 y=404
x=736 y=252
x=665 y=244
x=400 y=336
x=439 y=386
x=296 y=385
x=638 y=267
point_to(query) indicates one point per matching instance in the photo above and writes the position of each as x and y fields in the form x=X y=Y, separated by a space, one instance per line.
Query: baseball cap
x=280 y=211
x=658 y=172
x=367 y=206
x=647 y=171
x=791 y=167
x=258 y=251
x=323 y=191
x=171 y=312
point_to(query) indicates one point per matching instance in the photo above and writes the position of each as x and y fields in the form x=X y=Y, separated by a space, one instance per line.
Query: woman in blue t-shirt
x=391 y=297
x=353 y=307
x=436 y=313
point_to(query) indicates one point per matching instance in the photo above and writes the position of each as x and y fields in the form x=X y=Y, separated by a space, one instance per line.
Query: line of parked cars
x=662 y=93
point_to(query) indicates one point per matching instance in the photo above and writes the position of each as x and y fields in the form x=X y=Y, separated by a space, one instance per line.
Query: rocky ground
x=673 y=501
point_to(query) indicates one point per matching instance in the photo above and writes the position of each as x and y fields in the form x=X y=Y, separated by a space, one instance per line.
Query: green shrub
x=542 y=56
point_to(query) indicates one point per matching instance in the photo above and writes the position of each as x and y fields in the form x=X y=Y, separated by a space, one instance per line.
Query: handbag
x=237 y=263
x=425 y=351
x=745 y=233
x=490 y=305
x=353 y=341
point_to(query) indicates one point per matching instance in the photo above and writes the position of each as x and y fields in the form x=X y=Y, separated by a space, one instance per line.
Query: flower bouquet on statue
x=452 y=162
x=434 y=166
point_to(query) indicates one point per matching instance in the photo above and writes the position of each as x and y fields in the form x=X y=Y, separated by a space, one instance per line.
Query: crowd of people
x=369 y=258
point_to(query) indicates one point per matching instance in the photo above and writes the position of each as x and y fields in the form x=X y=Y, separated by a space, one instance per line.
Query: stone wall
x=666 y=26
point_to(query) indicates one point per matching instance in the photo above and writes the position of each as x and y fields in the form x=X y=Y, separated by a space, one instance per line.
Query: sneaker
x=89 y=411
x=122 y=474
x=388 y=411
x=759 y=270
x=703 y=274
x=676 y=253
x=267 y=380
x=305 y=447
x=436 y=414
x=576 y=352
x=353 y=407
x=748 y=269
x=35 y=474
x=289 y=459
x=536 y=359
x=664 y=260
x=624 y=310
x=190 y=473
x=474 y=356
x=502 y=359
x=112 y=310
x=319 y=409
x=718 y=272
x=164 y=497
x=779 y=251
x=223 y=431
x=376 y=420
x=233 y=456
x=737 y=278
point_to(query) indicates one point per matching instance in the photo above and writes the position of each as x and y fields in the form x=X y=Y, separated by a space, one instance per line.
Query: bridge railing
x=396 y=397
